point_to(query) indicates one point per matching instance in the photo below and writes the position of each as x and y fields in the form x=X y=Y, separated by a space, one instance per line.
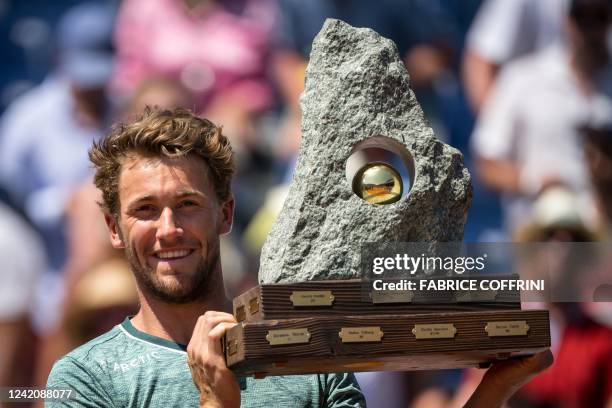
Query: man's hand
x=505 y=378
x=217 y=384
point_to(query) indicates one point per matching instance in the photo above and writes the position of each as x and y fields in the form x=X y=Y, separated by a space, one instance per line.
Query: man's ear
x=114 y=232
x=227 y=215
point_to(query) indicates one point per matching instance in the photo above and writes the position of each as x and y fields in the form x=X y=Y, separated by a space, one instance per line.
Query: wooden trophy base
x=337 y=326
x=384 y=342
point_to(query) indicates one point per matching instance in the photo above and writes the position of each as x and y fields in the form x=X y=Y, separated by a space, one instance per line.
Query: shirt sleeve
x=501 y=30
x=342 y=390
x=87 y=391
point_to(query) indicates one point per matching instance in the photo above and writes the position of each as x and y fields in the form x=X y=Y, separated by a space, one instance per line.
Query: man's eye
x=187 y=204
x=145 y=210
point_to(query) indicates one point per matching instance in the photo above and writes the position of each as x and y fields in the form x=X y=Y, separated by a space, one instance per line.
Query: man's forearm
x=503 y=379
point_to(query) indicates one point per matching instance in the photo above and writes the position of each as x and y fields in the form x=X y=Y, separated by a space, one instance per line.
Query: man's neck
x=175 y=322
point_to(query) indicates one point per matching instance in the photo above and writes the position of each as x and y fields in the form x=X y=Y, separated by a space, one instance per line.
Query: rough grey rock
x=357 y=87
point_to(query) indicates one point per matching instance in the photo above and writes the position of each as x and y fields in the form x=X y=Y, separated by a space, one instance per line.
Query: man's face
x=169 y=225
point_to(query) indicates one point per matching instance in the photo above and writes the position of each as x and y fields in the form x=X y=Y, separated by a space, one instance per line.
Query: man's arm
x=478 y=77
x=496 y=133
x=502 y=380
x=500 y=32
x=499 y=383
x=502 y=176
x=86 y=390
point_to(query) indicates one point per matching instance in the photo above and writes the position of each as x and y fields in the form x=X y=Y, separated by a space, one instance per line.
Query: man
x=527 y=136
x=502 y=32
x=165 y=182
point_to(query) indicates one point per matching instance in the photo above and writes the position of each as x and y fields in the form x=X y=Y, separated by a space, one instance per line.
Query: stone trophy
x=308 y=314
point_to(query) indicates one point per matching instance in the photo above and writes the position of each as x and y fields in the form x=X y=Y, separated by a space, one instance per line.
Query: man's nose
x=168 y=228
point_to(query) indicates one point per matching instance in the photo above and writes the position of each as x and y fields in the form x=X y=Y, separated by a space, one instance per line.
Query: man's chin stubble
x=199 y=288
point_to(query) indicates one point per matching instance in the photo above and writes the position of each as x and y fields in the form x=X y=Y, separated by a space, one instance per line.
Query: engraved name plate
x=312 y=298
x=254 y=305
x=232 y=347
x=509 y=328
x=391 y=296
x=288 y=336
x=360 y=334
x=240 y=313
x=434 y=331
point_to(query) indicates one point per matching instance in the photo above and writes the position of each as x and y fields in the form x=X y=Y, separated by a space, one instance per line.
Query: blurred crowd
x=522 y=87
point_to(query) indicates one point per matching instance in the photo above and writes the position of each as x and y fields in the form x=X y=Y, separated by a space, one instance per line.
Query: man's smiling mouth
x=172 y=254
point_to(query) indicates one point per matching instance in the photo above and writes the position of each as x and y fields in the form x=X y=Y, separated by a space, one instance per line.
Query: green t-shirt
x=129 y=368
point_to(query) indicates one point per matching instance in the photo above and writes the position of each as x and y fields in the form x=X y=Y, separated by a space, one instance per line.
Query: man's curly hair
x=161 y=133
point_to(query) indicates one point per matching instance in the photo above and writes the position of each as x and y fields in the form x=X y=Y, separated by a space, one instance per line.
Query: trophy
x=369 y=170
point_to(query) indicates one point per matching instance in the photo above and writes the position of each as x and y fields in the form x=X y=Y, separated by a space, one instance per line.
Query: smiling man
x=165 y=182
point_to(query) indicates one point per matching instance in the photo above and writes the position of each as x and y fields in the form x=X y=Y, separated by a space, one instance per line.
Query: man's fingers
x=219 y=330
x=215 y=335
x=206 y=323
x=214 y=313
x=209 y=320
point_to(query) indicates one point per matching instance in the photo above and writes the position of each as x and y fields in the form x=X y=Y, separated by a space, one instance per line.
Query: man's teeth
x=173 y=254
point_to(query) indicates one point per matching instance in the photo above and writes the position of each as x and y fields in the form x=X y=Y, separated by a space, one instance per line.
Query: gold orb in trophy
x=378 y=183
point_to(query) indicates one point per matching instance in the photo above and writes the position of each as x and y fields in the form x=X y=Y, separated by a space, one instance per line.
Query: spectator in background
x=159 y=91
x=23 y=259
x=505 y=30
x=527 y=135
x=216 y=49
x=45 y=134
x=598 y=149
x=581 y=375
